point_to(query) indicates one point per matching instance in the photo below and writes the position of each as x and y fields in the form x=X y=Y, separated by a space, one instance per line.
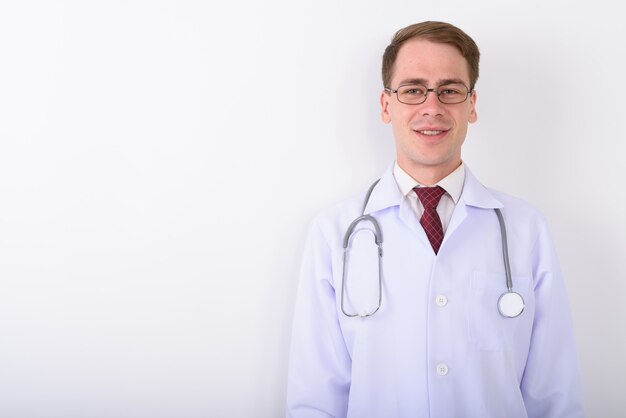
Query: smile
x=430 y=132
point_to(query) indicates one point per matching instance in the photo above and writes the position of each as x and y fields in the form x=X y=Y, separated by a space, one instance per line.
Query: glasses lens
x=412 y=93
x=452 y=93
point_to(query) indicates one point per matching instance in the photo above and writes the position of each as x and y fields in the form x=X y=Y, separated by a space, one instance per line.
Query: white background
x=160 y=162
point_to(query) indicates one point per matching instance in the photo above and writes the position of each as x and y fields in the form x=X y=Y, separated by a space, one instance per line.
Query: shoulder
x=516 y=211
x=515 y=204
x=335 y=219
x=332 y=223
x=521 y=214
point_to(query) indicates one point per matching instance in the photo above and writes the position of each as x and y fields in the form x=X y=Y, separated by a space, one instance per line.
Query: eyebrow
x=425 y=82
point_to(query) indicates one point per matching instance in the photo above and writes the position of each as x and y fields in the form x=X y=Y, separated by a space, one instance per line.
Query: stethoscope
x=510 y=303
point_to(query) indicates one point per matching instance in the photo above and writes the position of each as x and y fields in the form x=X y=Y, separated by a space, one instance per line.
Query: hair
x=439 y=32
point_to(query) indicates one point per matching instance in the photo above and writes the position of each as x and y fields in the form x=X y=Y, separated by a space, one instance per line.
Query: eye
x=412 y=90
x=452 y=91
x=449 y=92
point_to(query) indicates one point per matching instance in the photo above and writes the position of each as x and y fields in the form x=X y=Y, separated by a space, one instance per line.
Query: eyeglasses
x=413 y=94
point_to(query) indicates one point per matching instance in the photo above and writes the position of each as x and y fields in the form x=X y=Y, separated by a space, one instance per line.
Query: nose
x=431 y=106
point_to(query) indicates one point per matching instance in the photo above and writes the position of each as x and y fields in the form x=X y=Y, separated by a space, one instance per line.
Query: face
x=428 y=136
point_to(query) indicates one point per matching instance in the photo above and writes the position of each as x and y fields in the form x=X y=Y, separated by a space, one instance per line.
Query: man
x=430 y=337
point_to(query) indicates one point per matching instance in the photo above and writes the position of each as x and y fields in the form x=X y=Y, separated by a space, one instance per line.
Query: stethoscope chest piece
x=511 y=304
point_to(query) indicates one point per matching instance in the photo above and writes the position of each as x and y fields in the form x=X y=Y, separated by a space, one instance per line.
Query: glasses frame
x=433 y=90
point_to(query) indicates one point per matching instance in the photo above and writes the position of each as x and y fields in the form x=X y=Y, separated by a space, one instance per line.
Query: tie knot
x=430 y=196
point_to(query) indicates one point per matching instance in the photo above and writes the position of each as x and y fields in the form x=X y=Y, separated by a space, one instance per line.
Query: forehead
x=430 y=61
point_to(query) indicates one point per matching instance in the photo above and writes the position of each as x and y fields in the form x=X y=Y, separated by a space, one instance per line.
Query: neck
x=428 y=175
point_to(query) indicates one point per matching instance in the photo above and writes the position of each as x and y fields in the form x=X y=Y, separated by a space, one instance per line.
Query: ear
x=384 y=104
x=473 y=116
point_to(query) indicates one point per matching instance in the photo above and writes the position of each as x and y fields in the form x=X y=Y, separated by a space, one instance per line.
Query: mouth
x=431 y=133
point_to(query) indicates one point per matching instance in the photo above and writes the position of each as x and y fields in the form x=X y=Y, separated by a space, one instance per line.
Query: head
x=437 y=32
x=429 y=135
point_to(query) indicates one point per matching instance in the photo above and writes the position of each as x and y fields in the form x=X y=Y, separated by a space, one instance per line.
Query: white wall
x=160 y=162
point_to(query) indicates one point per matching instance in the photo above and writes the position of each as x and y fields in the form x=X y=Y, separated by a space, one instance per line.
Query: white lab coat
x=438 y=346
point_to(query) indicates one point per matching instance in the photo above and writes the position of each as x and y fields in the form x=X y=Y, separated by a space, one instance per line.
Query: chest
x=414 y=291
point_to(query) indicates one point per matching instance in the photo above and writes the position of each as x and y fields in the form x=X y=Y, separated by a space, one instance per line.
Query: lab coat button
x=442 y=369
x=441 y=300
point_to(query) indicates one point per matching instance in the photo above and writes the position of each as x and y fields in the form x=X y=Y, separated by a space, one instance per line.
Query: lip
x=431 y=133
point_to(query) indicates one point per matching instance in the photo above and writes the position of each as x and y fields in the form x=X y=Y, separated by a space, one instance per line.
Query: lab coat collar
x=477 y=195
x=386 y=193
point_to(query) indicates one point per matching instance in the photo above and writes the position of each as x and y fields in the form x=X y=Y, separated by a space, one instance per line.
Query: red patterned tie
x=430 y=197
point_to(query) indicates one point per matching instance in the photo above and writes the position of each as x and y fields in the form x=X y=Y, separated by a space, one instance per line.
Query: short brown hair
x=440 y=32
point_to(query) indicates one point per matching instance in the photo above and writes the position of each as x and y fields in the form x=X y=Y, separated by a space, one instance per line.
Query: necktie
x=430 y=197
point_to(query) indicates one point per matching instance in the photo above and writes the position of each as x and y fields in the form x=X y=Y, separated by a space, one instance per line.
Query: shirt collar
x=452 y=183
x=387 y=193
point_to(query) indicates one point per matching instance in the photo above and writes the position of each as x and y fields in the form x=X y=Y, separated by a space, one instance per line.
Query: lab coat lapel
x=474 y=194
x=386 y=194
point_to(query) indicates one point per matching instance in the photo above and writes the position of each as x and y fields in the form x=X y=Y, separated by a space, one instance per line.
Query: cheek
x=404 y=115
x=464 y=116
x=397 y=131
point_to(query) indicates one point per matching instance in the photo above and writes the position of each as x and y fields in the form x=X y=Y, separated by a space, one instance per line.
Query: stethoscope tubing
x=505 y=250
x=505 y=301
